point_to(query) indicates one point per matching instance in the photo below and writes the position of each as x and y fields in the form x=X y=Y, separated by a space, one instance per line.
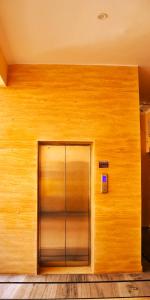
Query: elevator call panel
x=104 y=164
x=104 y=183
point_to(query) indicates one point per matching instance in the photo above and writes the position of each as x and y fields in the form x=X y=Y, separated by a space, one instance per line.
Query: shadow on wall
x=144 y=83
x=145 y=172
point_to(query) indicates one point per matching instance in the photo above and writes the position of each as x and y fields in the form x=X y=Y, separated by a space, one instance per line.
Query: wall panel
x=79 y=103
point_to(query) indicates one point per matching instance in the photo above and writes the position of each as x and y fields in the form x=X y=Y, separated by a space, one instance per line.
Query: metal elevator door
x=64 y=209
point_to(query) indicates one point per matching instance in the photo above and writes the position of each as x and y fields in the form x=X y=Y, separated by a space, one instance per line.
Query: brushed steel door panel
x=77 y=178
x=64 y=210
x=77 y=204
x=52 y=178
x=77 y=240
x=52 y=240
x=51 y=203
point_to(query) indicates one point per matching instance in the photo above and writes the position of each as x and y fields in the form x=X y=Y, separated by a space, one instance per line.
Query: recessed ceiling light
x=102 y=16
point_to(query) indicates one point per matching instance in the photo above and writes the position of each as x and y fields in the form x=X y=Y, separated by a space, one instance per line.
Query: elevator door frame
x=72 y=269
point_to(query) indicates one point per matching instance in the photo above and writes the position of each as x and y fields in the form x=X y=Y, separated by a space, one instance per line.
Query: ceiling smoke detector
x=102 y=16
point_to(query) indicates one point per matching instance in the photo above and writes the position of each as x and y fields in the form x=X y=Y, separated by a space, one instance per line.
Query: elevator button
x=104 y=183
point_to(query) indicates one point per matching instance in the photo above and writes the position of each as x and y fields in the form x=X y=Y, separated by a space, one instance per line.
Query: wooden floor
x=104 y=286
x=76 y=286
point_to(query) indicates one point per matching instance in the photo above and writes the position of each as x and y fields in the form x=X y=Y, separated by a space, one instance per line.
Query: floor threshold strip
x=74 y=282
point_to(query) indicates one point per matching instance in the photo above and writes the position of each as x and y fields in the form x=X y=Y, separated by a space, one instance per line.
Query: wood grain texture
x=3 y=70
x=76 y=287
x=145 y=168
x=81 y=278
x=71 y=103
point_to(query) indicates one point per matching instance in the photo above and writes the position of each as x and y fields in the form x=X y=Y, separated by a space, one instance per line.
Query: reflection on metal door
x=64 y=210
x=77 y=204
x=51 y=205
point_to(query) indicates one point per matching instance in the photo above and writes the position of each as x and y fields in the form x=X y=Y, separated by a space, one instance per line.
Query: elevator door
x=64 y=214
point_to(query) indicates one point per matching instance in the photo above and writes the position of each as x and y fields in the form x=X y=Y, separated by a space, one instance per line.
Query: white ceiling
x=69 y=32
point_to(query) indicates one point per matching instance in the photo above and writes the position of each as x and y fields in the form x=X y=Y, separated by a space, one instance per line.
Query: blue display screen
x=104 y=178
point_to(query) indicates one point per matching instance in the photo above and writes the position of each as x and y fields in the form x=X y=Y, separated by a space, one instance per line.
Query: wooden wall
x=79 y=103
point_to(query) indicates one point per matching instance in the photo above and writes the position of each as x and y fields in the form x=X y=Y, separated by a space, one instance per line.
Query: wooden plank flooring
x=74 y=290
x=145 y=276
x=105 y=286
